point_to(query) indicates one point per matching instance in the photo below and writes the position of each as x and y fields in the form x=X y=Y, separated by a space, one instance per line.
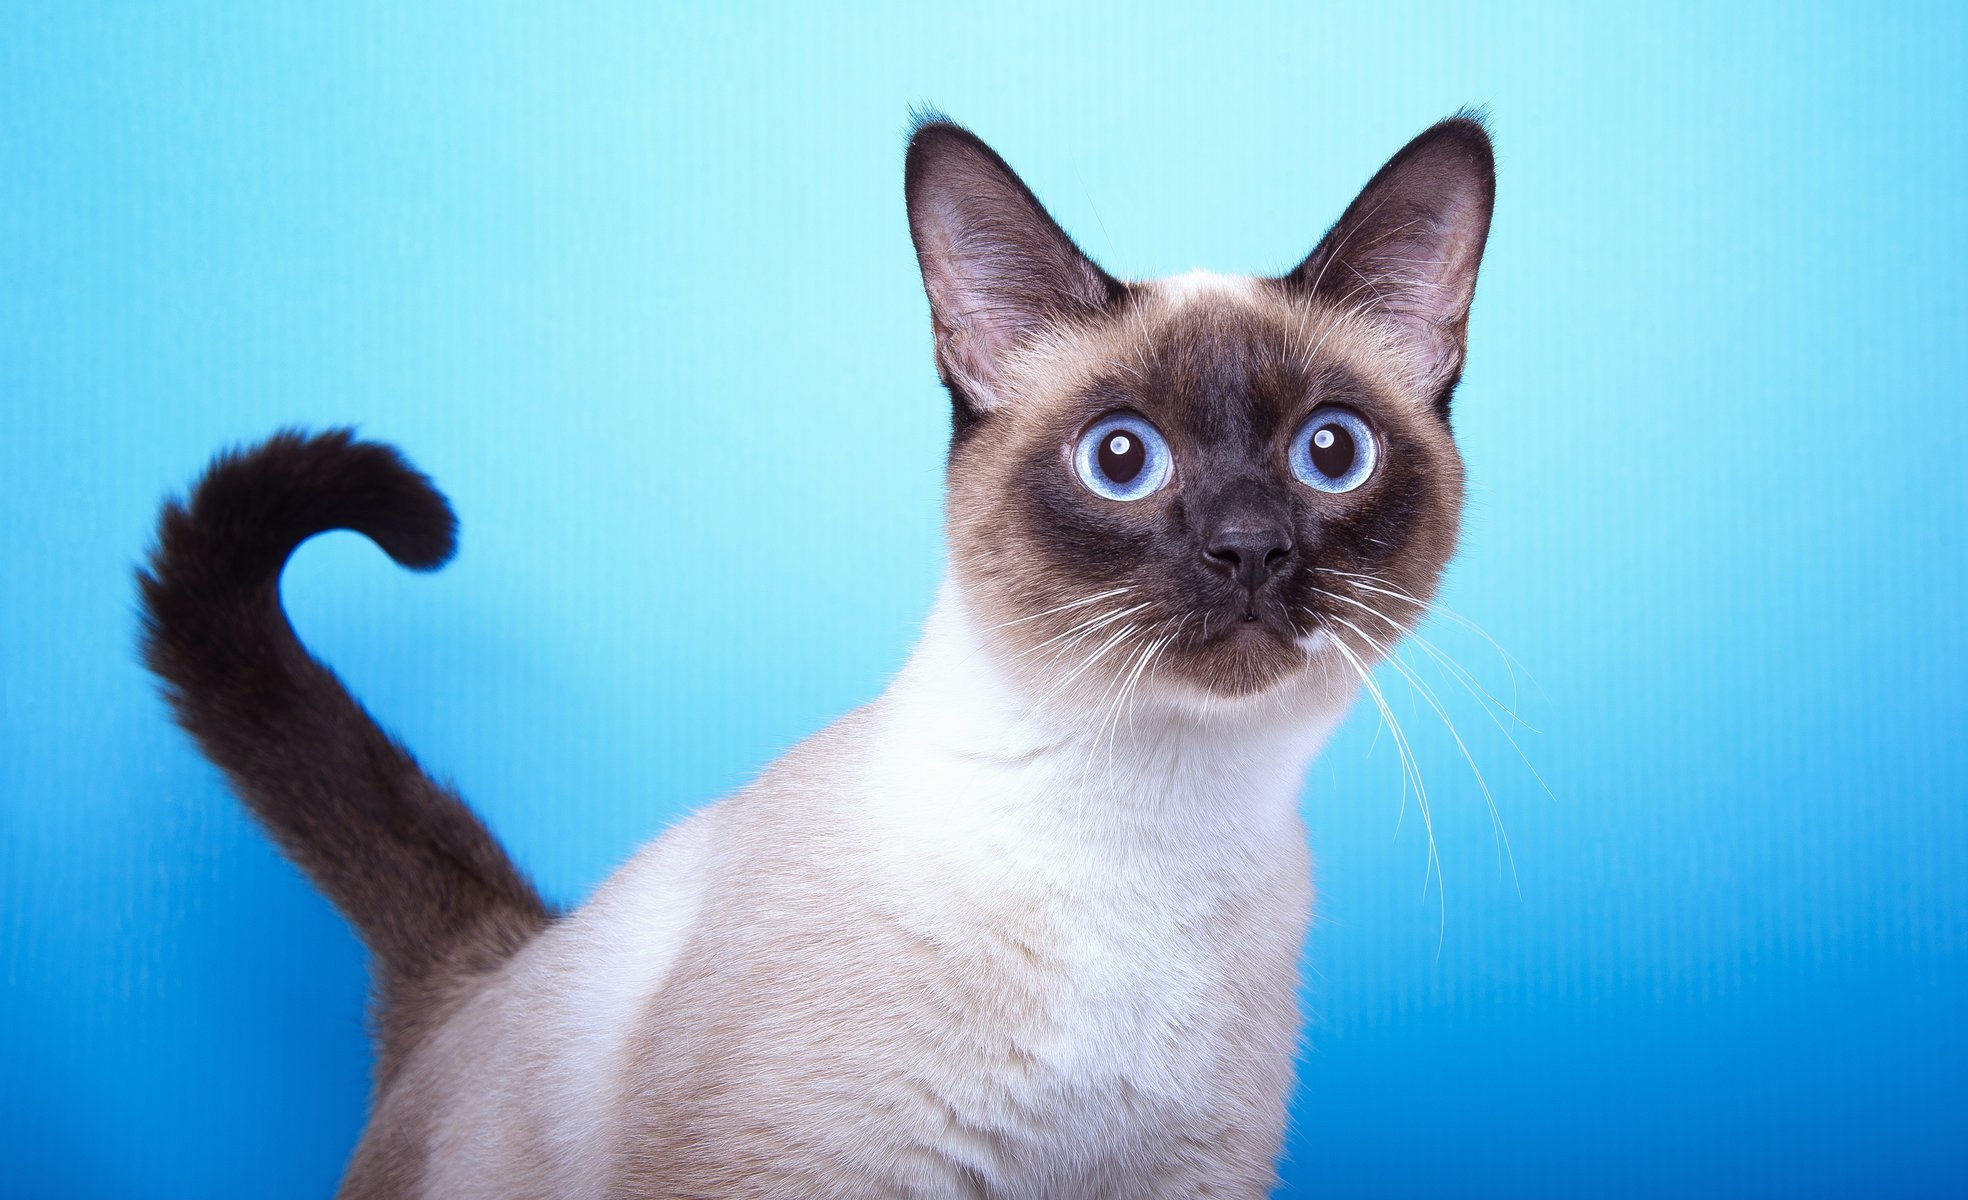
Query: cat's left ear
x=1408 y=248
x=997 y=268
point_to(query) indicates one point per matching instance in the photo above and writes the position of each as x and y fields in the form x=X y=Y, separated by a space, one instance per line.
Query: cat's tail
x=427 y=886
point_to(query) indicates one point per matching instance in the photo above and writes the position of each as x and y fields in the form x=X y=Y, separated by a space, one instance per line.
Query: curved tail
x=427 y=886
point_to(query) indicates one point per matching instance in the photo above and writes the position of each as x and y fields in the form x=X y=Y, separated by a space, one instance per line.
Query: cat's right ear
x=1409 y=246
x=997 y=268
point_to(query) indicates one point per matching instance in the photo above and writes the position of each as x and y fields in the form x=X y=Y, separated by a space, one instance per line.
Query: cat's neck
x=966 y=757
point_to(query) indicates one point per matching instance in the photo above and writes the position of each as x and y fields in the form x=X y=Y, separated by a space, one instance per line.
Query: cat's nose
x=1249 y=551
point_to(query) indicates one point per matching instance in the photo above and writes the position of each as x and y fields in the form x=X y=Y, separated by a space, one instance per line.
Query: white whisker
x=1428 y=694
x=1091 y=659
x=1082 y=603
x=1080 y=631
x=1409 y=764
x=1374 y=583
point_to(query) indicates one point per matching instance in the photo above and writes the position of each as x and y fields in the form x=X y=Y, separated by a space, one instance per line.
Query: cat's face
x=1205 y=485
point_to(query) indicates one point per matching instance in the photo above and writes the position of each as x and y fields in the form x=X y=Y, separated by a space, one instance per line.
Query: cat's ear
x=997 y=268
x=1408 y=248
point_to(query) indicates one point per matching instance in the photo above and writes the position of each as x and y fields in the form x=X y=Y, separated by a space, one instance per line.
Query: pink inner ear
x=996 y=267
x=968 y=287
x=1410 y=245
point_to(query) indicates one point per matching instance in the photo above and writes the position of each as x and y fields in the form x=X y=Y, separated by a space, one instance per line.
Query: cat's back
x=528 y=1087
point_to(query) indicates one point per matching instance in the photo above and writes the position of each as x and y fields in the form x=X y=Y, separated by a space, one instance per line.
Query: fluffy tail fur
x=429 y=889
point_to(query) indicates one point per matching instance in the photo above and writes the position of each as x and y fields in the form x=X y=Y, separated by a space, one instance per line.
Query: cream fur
x=1122 y=1023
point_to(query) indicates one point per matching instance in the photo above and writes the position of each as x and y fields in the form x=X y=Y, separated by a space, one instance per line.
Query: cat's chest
x=1112 y=924
x=1116 y=1032
x=1116 y=981
x=1107 y=956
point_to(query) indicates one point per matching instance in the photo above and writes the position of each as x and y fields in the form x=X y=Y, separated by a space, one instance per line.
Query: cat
x=1028 y=924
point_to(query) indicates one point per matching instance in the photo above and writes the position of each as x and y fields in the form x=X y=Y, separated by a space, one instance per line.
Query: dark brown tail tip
x=252 y=507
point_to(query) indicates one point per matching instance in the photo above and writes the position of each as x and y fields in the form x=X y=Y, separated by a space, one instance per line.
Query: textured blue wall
x=637 y=290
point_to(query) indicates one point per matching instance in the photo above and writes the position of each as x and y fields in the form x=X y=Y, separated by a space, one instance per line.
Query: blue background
x=635 y=287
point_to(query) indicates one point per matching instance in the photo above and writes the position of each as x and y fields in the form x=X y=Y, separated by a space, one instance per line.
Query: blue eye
x=1334 y=451
x=1122 y=457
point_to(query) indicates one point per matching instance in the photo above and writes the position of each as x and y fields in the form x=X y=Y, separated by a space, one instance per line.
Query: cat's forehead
x=1207 y=350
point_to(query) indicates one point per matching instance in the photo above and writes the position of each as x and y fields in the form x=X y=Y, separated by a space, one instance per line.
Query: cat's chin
x=1244 y=659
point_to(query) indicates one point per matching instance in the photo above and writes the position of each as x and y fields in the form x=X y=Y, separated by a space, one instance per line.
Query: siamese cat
x=1027 y=925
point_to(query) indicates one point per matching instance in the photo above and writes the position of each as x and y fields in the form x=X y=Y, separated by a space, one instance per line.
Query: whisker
x=1160 y=646
x=1374 y=583
x=1428 y=694
x=1095 y=657
x=1082 y=603
x=1110 y=725
x=1080 y=631
x=1461 y=675
x=1408 y=763
x=1471 y=684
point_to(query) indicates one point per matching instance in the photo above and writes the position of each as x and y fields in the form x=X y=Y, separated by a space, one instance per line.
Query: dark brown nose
x=1249 y=552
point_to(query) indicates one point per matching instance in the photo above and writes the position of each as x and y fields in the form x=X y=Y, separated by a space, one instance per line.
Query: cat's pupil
x=1332 y=450
x=1122 y=457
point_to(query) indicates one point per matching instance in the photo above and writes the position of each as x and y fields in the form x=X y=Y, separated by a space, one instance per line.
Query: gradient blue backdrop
x=635 y=287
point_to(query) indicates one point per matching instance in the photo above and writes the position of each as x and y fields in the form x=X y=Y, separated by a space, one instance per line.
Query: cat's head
x=1217 y=485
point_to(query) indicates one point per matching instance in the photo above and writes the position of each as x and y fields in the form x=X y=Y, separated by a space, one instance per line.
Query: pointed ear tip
x=1455 y=152
x=929 y=130
x=1467 y=132
x=934 y=138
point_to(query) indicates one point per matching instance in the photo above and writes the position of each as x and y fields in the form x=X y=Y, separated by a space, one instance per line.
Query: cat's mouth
x=1252 y=627
x=1241 y=649
x=1260 y=619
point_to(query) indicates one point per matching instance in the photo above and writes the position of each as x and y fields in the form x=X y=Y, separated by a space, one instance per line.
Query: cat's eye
x=1334 y=451
x=1122 y=457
